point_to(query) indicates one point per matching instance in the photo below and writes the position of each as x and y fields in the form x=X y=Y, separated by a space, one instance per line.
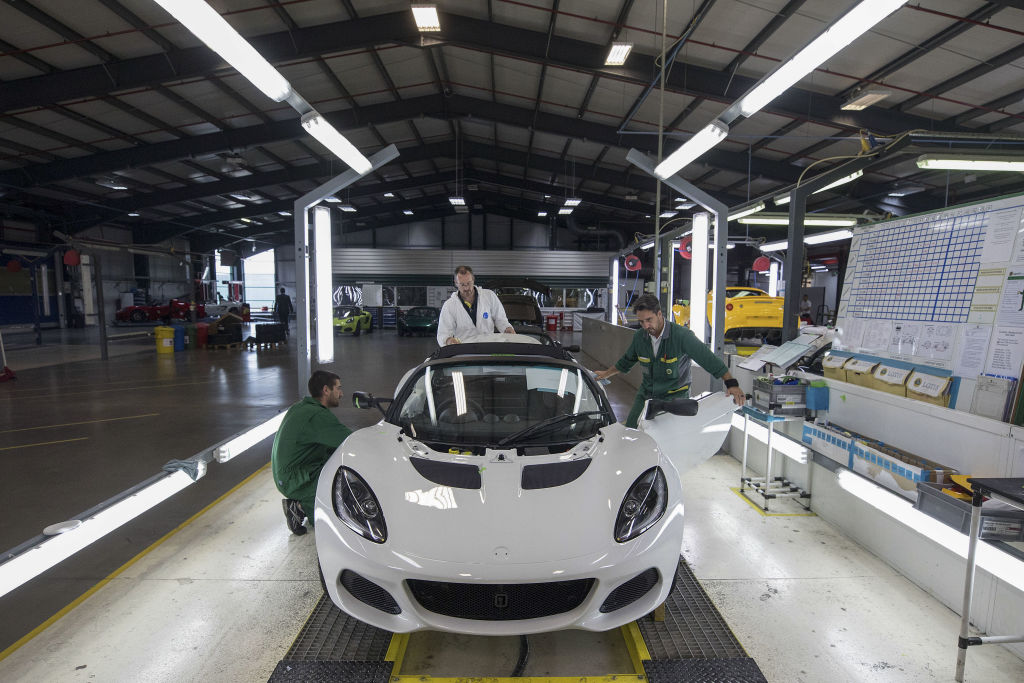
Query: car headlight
x=644 y=504
x=357 y=507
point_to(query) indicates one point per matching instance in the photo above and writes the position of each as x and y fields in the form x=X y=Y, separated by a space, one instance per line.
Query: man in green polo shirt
x=308 y=436
x=664 y=351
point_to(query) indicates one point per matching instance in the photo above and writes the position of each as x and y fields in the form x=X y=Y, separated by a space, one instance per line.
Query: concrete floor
x=223 y=596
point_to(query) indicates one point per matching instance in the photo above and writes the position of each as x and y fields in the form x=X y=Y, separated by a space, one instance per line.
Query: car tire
x=138 y=316
x=356 y=332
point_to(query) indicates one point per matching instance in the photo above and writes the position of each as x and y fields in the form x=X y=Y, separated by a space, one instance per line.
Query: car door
x=689 y=441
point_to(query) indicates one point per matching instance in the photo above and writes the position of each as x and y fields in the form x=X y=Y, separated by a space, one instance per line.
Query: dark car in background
x=520 y=302
x=418 y=320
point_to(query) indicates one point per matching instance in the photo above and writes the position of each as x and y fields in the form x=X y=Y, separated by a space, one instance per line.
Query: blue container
x=817 y=398
x=179 y=337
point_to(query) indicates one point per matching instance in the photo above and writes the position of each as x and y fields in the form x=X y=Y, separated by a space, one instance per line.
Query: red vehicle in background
x=175 y=309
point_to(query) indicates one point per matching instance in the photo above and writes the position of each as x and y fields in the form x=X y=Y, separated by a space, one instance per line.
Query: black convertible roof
x=502 y=349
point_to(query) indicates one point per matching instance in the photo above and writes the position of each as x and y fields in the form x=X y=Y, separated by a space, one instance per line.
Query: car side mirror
x=363 y=400
x=685 y=407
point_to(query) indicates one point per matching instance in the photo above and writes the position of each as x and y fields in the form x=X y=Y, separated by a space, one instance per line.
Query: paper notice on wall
x=849 y=334
x=936 y=342
x=877 y=335
x=1011 y=303
x=905 y=338
x=1007 y=353
x=973 y=349
x=1001 y=230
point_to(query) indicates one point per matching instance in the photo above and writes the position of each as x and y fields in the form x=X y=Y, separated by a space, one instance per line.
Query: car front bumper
x=492 y=580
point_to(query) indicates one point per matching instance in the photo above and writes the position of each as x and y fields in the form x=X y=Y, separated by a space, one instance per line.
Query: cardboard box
x=890 y=379
x=928 y=388
x=858 y=371
x=832 y=443
x=832 y=366
x=896 y=469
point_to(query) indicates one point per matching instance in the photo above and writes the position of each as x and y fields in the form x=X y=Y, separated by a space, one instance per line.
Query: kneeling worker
x=664 y=351
x=308 y=436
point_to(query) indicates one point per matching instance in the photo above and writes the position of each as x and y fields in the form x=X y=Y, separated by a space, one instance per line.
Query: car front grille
x=367 y=591
x=500 y=602
x=630 y=591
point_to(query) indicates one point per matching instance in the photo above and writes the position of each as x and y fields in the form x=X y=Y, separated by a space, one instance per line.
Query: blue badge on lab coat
x=485 y=315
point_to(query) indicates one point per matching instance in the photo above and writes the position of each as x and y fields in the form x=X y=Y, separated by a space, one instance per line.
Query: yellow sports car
x=352 y=320
x=750 y=316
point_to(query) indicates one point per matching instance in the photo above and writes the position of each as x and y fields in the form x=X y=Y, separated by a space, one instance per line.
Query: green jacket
x=308 y=436
x=669 y=373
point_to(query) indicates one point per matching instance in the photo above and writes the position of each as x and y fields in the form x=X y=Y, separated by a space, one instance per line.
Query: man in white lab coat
x=470 y=311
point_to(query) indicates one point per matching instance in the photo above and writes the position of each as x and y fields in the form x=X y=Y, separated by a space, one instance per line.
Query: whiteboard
x=924 y=288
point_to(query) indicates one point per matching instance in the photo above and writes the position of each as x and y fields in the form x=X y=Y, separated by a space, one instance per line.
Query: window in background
x=260 y=277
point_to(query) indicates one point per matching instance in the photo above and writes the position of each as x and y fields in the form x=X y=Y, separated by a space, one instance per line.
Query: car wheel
x=356 y=332
x=400 y=332
x=138 y=316
x=370 y=329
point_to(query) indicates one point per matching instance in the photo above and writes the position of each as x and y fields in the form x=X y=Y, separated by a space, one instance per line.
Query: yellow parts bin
x=858 y=371
x=890 y=379
x=928 y=388
x=832 y=366
x=164 y=339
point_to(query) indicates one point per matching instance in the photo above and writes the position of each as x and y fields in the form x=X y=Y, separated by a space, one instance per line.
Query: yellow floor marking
x=42 y=443
x=753 y=504
x=638 y=651
x=396 y=651
x=158 y=385
x=84 y=422
x=85 y=596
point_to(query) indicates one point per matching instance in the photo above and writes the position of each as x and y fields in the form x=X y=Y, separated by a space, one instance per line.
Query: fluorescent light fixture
x=457 y=201
x=703 y=140
x=747 y=211
x=902 y=512
x=780 y=442
x=112 y=183
x=211 y=28
x=133 y=213
x=815 y=220
x=542 y=214
x=970 y=163
x=820 y=238
x=682 y=206
x=284 y=213
x=328 y=136
x=332 y=200
x=667 y=214
x=572 y=201
x=699 y=272
x=55 y=549
x=864 y=98
x=247 y=439
x=565 y=211
x=833 y=236
x=617 y=54
x=389 y=195
x=324 y=284
x=647 y=245
x=819 y=268
x=407 y=212
x=347 y=208
x=426 y=17
x=837 y=36
x=784 y=198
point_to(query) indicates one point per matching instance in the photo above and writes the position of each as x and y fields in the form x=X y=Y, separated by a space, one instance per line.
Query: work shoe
x=293 y=516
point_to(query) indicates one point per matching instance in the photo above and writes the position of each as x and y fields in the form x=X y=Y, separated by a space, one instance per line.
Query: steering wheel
x=446 y=412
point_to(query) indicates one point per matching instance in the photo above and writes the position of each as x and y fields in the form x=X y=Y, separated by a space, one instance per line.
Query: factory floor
x=211 y=586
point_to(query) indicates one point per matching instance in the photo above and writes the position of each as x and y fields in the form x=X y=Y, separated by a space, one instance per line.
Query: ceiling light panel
x=617 y=54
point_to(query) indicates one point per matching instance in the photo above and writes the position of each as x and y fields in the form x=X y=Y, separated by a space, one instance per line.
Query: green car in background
x=352 y=320
x=418 y=320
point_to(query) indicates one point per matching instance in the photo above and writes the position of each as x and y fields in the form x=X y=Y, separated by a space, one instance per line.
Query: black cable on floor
x=524 y=656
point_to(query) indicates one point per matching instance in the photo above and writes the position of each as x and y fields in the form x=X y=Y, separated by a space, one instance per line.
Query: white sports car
x=499 y=496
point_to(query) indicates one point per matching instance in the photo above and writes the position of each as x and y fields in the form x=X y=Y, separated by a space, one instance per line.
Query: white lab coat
x=455 y=320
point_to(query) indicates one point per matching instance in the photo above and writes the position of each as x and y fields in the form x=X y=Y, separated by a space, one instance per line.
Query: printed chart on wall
x=944 y=290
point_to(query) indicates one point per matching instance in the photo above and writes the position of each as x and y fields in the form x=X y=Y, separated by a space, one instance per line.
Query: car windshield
x=735 y=293
x=345 y=311
x=423 y=312
x=468 y=406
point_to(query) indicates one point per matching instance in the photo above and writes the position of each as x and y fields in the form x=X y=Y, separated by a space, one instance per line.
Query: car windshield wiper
x=544 y=425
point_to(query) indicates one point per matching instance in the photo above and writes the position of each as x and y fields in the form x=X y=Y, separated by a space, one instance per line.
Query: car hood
x=501 y=521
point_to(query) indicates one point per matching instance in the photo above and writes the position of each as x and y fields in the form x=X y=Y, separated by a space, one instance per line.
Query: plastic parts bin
x=164 y=339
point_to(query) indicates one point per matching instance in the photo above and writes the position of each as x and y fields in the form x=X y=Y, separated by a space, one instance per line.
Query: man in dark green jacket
x=664 y=351
x=308 y=436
